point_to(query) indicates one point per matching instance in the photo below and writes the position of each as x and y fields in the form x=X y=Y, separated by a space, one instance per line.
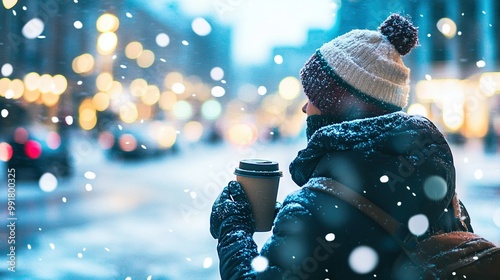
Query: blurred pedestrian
x=358 y=135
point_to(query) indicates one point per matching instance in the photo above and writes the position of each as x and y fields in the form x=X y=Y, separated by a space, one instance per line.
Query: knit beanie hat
x=362 y=65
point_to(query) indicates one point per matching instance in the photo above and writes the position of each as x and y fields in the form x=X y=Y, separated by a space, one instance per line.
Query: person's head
x=361 y=73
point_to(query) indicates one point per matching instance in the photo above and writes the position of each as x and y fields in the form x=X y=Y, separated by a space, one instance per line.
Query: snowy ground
x=149 y=219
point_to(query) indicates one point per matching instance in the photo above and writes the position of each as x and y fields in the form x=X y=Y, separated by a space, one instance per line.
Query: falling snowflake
x=207 y=262
x=418 y=224
x=259 y=263
x=363 y=259
x=89 y=175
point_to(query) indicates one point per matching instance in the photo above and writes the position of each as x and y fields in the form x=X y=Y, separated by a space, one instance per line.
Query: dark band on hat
x=331 y=73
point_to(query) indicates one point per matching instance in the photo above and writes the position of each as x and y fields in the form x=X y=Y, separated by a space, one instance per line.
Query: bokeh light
x=60 y=84
x=452 y=103
x=178 y=88
x=259 y=263
x=128 y=112
x=166 y=136
x=78 y=24
x=104 y=81
x=101 y=101
x=107 y=23
x=207 y=262
x=16 y=88
x=211 y=109
x=4 y=86
x=278 y=59
x=217 y=74
x=106 y=140
x=146 y=59
x=31 y=95
x=289 y=88
x=481 y=63
x=127 y=142
x=183 y=110
x=21 y=135
x=106 y=43
x=50 y=99
x=53 y=140
x=33 y=28
x=5 y=151
x=151 y=96
x=138 y=87
x=384 y=179
x=201 y=26
x=218 y=91
x=45 y=83
x=242 y=134
x=330 y=237
x=435 y=188
x=363 y=259
x=418 y=224
x=489 y=83
x=133 y=50
x=47 y=182
x=172 y=78
x=32 y=149
x=193 y=131
x=418 y=109
x=7 y=69
x=32 y=81
x=447 y=27
x=8 y=4
x=83 y=64
x=162 y=40
x=167 y=100
x=87 y=114
x=262 y=90
x=116 y=90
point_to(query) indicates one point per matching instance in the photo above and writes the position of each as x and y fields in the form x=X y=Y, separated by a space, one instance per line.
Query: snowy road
x=149 y=219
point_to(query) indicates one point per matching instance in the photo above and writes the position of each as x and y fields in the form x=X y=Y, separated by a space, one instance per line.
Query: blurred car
x=35 y=150
x=139 y=140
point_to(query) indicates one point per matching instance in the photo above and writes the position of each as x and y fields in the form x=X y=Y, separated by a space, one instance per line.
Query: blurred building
x=454 y=70
x=149 y=61
x=109 y=60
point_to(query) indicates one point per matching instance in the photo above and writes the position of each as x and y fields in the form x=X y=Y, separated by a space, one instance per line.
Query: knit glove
x=231 y=211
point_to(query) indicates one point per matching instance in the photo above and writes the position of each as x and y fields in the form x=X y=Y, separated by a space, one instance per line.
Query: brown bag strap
x=396 y=229
x=404 y=238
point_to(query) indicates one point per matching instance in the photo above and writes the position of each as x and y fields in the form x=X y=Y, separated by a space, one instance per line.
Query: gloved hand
x=231 y=211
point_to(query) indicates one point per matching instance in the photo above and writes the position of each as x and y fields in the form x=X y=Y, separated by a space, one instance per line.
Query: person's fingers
x=236 y=191
x=223 y=196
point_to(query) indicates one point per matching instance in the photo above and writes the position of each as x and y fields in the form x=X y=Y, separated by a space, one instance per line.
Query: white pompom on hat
x=365 y=63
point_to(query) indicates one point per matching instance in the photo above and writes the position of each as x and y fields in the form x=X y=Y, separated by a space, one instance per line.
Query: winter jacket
x=400 y=162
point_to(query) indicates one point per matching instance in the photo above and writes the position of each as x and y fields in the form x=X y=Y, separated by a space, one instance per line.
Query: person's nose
x=304 y=108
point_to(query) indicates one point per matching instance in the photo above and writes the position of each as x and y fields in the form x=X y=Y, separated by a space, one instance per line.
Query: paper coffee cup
x=259 y=179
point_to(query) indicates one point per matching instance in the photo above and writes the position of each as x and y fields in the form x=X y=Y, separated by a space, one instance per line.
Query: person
x=356 y=86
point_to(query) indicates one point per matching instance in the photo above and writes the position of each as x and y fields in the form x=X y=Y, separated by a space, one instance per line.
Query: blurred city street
x=134 y=219
x=148 y=219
